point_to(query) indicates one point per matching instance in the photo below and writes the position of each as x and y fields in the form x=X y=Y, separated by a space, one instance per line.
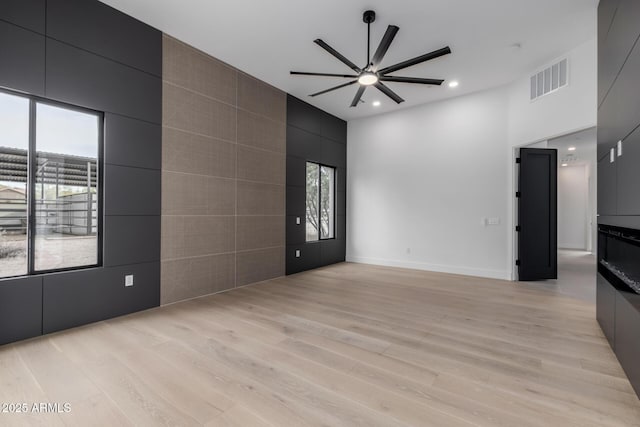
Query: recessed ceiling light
x=564 y=165
x=376 y=103
x=571 y=148
x=453 y=84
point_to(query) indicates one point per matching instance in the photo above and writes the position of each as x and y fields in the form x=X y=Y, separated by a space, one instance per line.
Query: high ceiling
x=493 y=41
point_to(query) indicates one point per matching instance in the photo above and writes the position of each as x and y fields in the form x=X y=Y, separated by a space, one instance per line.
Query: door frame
x=512 y=236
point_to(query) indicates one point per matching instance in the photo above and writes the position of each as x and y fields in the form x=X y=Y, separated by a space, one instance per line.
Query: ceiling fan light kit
x=371 y=75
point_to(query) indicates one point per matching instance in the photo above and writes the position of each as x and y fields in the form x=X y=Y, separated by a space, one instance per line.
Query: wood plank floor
x=346 y=345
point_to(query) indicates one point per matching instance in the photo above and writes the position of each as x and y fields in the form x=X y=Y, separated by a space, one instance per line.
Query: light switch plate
x=297 y=220
x=492 y=221
x=297 y=253
x=612 y=155
x=128 y=280
x=619 y=148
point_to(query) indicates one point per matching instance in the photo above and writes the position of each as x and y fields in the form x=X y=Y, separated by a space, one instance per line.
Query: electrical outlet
x=297 y=253
x=128 y=280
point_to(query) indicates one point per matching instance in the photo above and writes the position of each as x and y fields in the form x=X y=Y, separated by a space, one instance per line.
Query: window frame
x=32 y=160
x=335 y=197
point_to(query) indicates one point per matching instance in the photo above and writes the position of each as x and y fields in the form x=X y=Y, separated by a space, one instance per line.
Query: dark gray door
x=537 y=214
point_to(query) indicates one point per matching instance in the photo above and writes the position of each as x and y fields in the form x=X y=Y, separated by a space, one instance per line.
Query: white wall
x=421 y=181
x=573 y=212
x=570 y=109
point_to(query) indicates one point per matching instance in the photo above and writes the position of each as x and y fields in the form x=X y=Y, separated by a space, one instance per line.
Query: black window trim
x=31 y=182
x=335 y=200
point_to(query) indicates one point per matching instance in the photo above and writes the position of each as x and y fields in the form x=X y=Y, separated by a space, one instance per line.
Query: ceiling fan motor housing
x=369 y=17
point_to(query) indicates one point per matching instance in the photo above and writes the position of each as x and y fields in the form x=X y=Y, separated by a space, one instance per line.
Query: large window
x=320 y=209
x=50 y=201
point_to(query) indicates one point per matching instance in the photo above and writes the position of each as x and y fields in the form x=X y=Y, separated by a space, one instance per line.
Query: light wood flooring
x=346 y=345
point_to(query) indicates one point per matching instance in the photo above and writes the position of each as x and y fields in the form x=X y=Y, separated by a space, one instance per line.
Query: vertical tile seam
x=235 y=173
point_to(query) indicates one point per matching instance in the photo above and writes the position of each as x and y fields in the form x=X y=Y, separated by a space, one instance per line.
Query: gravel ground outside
x=52 y=252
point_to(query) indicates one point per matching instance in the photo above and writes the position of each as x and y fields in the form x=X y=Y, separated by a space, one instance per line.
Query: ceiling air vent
x=549 y=80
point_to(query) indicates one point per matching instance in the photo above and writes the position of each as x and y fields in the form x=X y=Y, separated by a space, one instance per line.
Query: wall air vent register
x=549 y=80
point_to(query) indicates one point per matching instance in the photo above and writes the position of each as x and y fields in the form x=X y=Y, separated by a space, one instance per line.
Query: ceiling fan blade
x=338 y=55
x=391 y=94
x=388 y=37
x=334 y=88
x=304 y=73
x=359 y=93
x=417 y=60
x=436 y=82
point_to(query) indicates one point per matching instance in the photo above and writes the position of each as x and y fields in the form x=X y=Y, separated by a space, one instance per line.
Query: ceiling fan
x=371 y=74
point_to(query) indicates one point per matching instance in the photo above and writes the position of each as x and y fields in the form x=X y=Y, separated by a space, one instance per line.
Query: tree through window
x=320 y=202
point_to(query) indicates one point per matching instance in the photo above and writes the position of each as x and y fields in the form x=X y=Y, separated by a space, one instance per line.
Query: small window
x=50 y=201
x=320 y=202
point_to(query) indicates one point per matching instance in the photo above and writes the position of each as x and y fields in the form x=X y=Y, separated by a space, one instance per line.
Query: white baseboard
x=451 y=269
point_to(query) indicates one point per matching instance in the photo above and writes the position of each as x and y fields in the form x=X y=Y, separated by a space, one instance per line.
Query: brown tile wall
x=223 y=176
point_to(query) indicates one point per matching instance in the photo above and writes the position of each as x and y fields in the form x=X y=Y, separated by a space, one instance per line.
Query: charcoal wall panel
x=309 y=257
x=296 y=171
x=296 y=196
x=313 y=135
x=303 y=144
x=333 y=129
x=84 y=24
x=131 y=191
x=22 y=56
x=333 y=153
x=29 y=14
x=86 y=79
x=295 y=232
x=20 y=308
x=85 y=296
x=131 y=240
x=615 y=40
x=304 y=116
x=131 y=142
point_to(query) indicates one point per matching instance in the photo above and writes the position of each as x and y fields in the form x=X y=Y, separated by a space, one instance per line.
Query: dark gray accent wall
x=22 y=53
x=85 y=53
x=618 y=191
x=618 y=106
x=316 y=136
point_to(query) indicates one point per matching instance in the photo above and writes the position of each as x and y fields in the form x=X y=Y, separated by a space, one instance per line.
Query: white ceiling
x=585 y=143
x=267 y=39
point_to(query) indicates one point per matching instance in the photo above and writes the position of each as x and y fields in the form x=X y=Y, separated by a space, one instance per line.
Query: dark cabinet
x=617 y=32
x=627 y=335
x=607 y=186
x=606 y=308
x=618 y=309
x=628 y=176
x=618 y=115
